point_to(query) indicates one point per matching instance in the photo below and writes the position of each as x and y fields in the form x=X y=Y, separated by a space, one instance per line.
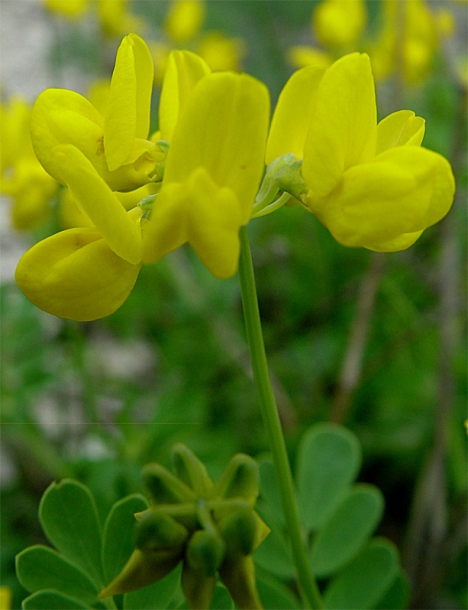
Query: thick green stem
x=272 y=422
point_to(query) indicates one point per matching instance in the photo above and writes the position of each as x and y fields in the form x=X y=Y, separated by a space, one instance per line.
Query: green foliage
x=340 y=516
x=74 y=577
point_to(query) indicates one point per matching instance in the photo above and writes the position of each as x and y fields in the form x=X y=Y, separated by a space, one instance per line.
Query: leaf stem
x=309 y=588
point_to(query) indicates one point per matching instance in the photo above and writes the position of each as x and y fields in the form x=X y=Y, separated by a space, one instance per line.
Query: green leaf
x=269 y=489
x=69 y=518
x=364 y=581
x=118 y=538
x=275 y=594
x=52 y=600
x=40 y=567
x=274 y=555
x=155 y=597
x=221 y=599
x=329 y=458
x=397 y=596
x=346 y=530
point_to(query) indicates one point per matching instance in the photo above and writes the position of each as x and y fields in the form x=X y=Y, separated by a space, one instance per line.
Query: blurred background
x=375 y=342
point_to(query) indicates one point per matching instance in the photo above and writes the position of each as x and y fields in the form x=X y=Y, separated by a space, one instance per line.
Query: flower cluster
x=210 y=528
x=371 y=184
x=407 y=39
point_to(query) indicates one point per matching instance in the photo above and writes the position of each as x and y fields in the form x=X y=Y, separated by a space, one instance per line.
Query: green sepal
x=239 y=480
x=239 y=531
x=191 y=470
x=143 y=569
x=198 y=589
x=238 y=576
x=157 y=531
x=164 y=487
x=205 y=552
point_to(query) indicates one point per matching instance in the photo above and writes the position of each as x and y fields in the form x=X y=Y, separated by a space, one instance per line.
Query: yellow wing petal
x=99 y=203
x=377 y=205
x=75 y=275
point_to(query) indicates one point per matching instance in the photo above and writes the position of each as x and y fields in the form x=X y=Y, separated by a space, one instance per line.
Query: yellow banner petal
x=121 y=113
x=223 y=129
x=184 y=70
x=342 y=130
x=99 y=203
x=74 y=274
x=144 y=70
x=292 y=114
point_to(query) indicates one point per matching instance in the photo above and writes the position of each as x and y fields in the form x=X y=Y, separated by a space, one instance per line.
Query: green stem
x=272 y=422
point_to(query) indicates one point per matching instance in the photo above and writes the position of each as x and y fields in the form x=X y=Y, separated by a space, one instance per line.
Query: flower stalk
x=308 y=585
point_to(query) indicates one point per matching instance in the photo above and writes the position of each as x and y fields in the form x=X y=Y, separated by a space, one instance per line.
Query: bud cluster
x=210 y=528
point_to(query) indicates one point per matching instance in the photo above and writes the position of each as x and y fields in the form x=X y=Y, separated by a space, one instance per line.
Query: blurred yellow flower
x=339 y=24
x=72 y=9
x=22 y=178
x=371 y=185
x=184 y=20
x=183 y=25
x=5 y=598
x=116 y=18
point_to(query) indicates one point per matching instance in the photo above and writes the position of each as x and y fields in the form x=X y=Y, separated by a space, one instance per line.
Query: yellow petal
x=166 y=230
x=293 y=113
x=223 y=129
x=342 y=130
x=198 y=212
x=213 y=224
x=60 y=116
x=183 y=71
x=399 y=129
x=301 y=56
x=75 y=275
x=128 y=108
x=406 y=190
x=99 y=203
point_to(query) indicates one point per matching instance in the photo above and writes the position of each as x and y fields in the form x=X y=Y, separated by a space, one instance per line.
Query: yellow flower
x=22 y=178
x=339 y=23
x=217 y=126
x=408 y=41
x=115 y=17
x=87 y=272
x=184 y=20
x=371 y=185
x=213 y=169
x=221 y=52
x=116 y=143
x=183 y=25
x=72 y=9
x=5 y=598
